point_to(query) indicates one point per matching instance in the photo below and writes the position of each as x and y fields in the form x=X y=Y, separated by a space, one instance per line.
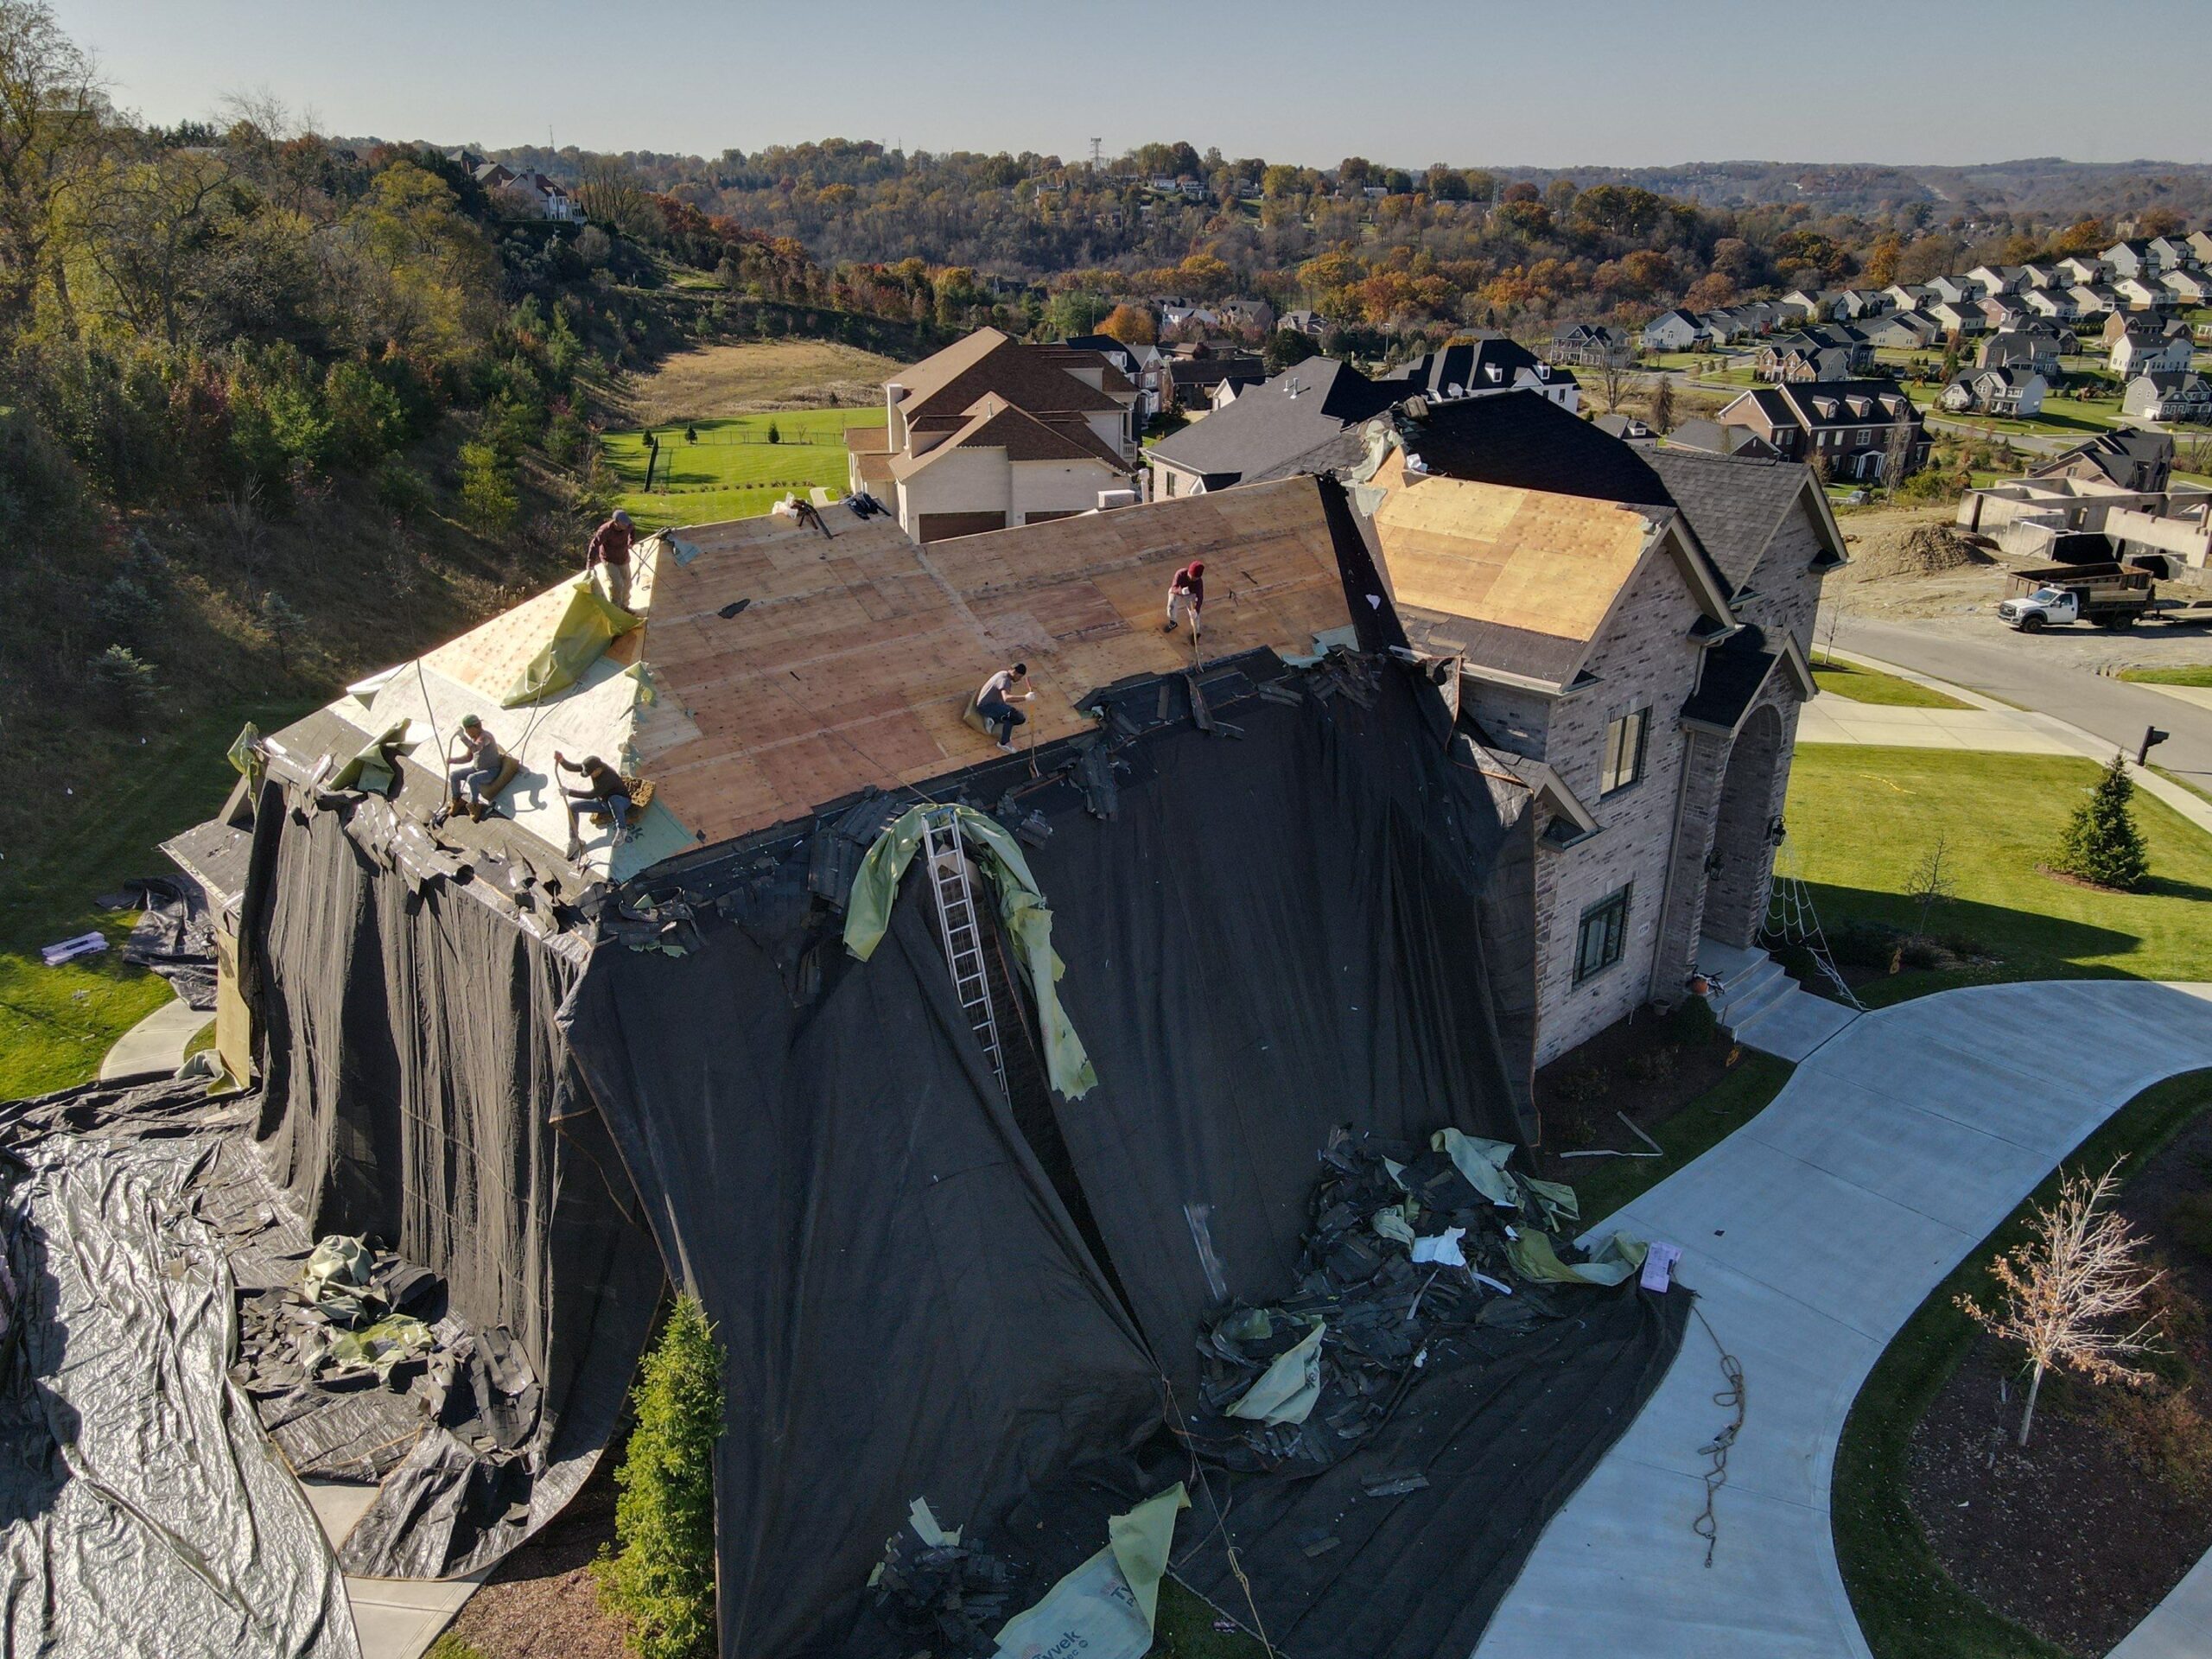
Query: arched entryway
x=1742 y=865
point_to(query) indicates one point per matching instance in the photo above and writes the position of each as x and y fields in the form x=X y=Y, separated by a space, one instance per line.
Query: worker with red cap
x=1186 y=594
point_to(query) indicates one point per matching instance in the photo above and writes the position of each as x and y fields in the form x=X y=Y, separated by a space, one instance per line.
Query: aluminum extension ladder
x=957 y=924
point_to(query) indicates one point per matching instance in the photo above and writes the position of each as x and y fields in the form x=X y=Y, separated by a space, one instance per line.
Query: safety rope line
x=1730 y=1398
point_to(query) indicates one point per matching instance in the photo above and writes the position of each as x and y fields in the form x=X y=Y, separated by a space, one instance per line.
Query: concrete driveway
x=1811 y=1235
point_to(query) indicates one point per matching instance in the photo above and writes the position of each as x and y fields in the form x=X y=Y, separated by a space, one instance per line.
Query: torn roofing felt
x=417 y=1087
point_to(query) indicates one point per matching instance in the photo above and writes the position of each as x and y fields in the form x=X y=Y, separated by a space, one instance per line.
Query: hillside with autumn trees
x=1397 y=256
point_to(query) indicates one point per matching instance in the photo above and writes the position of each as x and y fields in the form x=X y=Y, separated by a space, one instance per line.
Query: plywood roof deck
x=1525 y=559
x=855 y=659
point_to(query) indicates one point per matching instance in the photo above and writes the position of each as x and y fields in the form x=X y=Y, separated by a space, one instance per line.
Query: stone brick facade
x=1700 y=799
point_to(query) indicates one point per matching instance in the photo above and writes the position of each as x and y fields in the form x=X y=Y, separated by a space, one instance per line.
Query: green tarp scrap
x=1286 y=1390
x=1105 y=1608
x=1555 y=1200
x=585 y=630
x=245 y=749
x=1023 y=911
x=376 y=768
x=1534 y=1258
x=1483 y=1162
x=1393 y=1223
x=381 y=1346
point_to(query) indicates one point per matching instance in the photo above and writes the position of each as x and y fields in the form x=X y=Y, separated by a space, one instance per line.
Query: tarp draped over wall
x=1276 y=935
x=417 y=1088
x=907 y=1309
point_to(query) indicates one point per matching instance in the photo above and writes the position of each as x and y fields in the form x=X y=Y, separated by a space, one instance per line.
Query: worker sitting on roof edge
x=605 y=795
x=993 y=703
x=473 y=773
x=610 y=551
x=1186 y=594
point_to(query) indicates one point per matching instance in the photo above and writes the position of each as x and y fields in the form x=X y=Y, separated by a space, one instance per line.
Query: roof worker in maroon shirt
x=610 y=549
x=1186 y=594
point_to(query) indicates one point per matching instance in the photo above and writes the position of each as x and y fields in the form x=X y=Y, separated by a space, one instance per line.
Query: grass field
x=732 y=471
x=2187 y=674
x=1860 y=819
x=1870 y=685
x=56 y=1023
x=1908 y=1606
x=716 y=381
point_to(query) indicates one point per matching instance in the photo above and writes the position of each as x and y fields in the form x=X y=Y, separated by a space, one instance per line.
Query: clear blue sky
x=1478 y=82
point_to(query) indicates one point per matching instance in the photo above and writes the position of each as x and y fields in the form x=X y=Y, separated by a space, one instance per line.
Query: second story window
x=1624 y=751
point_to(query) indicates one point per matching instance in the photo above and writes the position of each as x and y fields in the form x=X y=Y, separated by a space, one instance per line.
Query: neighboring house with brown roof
x=990 y=433
x=1849 y=424
x=1631 y=628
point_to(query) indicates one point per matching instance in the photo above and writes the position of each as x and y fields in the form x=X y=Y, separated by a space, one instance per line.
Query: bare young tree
x=1615 y=374
x=610 y=194
x=2066 y=1288
x=1931 y=884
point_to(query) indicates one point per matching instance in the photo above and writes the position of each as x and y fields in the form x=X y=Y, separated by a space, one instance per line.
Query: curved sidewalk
x=1811 y=1235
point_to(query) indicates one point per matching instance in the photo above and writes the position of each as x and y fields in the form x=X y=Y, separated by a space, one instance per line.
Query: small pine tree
x=1662 y=406
x=282 y=621
x=661 y=1580
x=775 y=434
x=2101 y=843
x=128 y=684
x=488 y=489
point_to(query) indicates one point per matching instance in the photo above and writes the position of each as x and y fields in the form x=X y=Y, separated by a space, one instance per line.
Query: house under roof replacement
x=965 y=1088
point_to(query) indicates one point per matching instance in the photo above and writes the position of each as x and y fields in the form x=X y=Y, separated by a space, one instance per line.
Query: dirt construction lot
x=766 y=374
x=1908 y=565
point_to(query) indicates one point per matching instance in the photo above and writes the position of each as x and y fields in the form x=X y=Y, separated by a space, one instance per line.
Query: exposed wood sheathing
x=1524 y=559
x=855 y=659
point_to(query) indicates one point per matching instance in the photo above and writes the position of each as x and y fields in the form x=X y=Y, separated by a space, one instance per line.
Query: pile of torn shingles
x=931 y=1588
x=1408 y=1268
x=351 y=1360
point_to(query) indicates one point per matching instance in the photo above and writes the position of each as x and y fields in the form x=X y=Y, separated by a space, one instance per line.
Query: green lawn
x=2188 y=674
x=1870 y=685
x=56 y=1023
x=1860 y=819
x=732 y=471
x=1908 y=1606
x=1605 y=1184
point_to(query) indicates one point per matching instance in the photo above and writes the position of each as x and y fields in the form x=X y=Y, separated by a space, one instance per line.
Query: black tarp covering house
x=417 y=1087
x=926 y=1293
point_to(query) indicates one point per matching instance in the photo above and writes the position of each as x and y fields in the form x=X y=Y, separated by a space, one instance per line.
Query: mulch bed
x=542 y=1602
x=1651 y=1065
x=2073 y=1537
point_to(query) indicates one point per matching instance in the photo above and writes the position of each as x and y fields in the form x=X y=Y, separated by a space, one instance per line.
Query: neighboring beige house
x=2013 y=390
x=991 y=433
x=2142 y=293
x=2149 y=352
x=1001 y=467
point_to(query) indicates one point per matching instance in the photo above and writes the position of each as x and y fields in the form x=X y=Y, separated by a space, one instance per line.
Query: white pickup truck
x=2110 y=595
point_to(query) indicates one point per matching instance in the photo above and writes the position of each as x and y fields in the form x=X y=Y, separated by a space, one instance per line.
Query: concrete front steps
x=1761 y=1006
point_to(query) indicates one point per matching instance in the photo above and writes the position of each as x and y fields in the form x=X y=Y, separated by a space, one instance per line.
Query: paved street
x=2016 y=669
